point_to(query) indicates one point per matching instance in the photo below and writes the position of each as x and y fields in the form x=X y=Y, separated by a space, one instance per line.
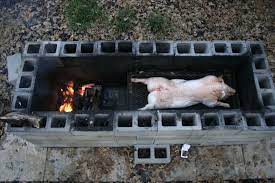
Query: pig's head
x=227 y=91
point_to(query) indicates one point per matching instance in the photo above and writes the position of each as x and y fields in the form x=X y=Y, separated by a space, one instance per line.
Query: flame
x=68 y=94
x=82 y=89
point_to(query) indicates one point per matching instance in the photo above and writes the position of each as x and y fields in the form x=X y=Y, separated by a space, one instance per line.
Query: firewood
x=22 y=119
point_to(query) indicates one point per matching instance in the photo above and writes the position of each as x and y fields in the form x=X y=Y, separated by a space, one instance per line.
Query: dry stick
x=20 y=118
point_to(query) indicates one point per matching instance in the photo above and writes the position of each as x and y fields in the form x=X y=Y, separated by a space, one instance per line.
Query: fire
x=67 y=94
x=82 y=89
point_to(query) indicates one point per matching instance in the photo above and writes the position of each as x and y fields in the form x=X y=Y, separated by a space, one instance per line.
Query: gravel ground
x=23 y=20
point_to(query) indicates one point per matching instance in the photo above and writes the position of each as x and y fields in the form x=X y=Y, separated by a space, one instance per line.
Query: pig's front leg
x=147 y=107
x=213 y=103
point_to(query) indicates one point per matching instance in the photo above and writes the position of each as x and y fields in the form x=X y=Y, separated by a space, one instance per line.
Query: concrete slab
x=14 y=63
x=21 y=160
x=257 y=159
x=86 y=164
x=219 y=163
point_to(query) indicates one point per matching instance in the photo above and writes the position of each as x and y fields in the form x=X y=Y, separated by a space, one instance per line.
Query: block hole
x=160 y=153
x=125 y=121
x=163 y=47
x=256 y=49
x=82 y=121
x=268 y=99
x=125 y=47
x=236 y=47
x=168 y=120
x=146 y=47
x=184 y=47
x=200 y=48
x=33 y=48
x=25 y=82
x=211 y=120
x=43 y=122
x=270 y=120
x=70 y=48
x=58 y=122
x=253 y=120
x=101 y=120
x=16 y=125
x=145 y=121
x=21 y=102
x=87 y=48
x=108 y=47
x=188 y=120
x=28 y=66
x=230 y=120
x=50 y=48
x=144 y=153
x=260 y=63
x=220 y=48
x=264 y=82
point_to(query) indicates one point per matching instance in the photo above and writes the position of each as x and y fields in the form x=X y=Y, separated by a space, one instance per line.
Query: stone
x=14 y=63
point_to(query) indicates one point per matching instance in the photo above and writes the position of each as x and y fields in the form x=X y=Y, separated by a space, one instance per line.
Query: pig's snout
x=231 y=91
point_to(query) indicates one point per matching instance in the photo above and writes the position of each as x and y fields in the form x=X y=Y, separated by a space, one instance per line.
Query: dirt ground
x=23 y=20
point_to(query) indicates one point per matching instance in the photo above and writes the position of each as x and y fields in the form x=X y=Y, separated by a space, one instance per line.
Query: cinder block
x=94 y=124
x=29 y=65
x=233 y=122
x=59 y=122
x=25 y=82
x=21 y=102
x=260 y=64
x=146 y=48
x=152 y=154
x=183 y=48
x=254 y=121
x=164 y=48
x=107 y=47
x=269 y=119
x=211 y=120
x=32 y=49
x=126 y=48
x=178 y=124
x=88 y=48
x=264 y=81
x=268 y=98
x=51 y=48
x=29 y=130
x=256 y=48
x=70 y=49
x=201 y=48
x=139 y=123
x=221 y=48
x=238 y=48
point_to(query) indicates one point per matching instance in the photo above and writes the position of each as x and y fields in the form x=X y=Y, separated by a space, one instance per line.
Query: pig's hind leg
x=152 y=100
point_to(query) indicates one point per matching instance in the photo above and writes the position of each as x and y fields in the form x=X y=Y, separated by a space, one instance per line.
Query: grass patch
x=124 y=20
x=158 y=23
x=83 y=13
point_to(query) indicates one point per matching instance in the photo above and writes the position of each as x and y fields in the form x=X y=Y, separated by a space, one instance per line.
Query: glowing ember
x=67 y=94
x=82 y=89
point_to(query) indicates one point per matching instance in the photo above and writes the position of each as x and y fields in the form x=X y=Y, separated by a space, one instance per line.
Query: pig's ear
x=220 y=78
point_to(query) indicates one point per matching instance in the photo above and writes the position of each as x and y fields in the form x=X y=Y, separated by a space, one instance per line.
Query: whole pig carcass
x=179 y=93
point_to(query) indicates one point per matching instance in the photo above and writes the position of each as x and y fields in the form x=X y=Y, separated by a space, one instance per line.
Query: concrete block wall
x=123 y=128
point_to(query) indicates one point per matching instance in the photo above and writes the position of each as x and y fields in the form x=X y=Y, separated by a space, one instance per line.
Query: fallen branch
x=23 y=119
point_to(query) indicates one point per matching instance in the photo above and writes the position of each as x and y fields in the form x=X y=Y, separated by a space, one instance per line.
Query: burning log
x=22 y=119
